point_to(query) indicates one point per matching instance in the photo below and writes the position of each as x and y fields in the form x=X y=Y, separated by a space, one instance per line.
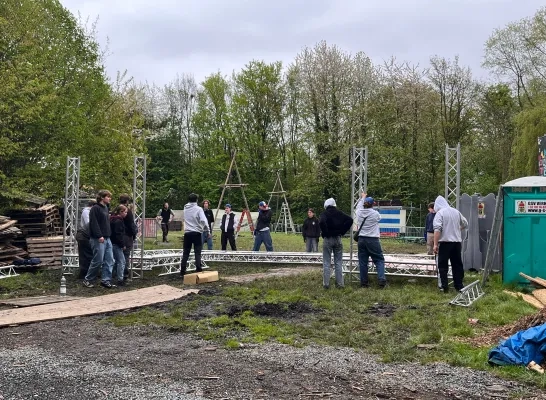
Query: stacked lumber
x=35 y=222
x=538 y=299
x=8 y=232
x=48 y=249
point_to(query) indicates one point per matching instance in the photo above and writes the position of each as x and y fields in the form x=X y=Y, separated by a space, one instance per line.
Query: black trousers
x=165 y=229
x=85 y=254
x=450 y=251
x=228 y=236
x=195 y=239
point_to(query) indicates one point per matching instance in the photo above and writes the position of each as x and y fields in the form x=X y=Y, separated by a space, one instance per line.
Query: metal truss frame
x=359 y=179
x=70 y=226
x=453 y=175
x=7 y=271
x=139 y=201
x=468 y=295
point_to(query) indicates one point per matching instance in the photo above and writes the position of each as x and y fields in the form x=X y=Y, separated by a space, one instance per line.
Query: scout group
x=105 y=239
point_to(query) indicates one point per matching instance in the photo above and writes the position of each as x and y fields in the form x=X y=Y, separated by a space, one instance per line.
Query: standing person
x=195 y=225
x=311 y=232
x=85 y=253
x=165 y=215
x=262 y=232
x=429 y=229
x=99 y=233
x=131 y=231
x=228 y=229
x=117 y=226
x=368 y=241
x=448 y=224
x=210 y=218
x=334 y=224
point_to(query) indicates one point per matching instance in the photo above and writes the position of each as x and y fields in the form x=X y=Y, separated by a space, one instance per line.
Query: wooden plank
x=540 y=295
x=538 y=281
x=8 y=224
x=50 y=239
x=93 y=305
x=526 y=297
x=37 y=300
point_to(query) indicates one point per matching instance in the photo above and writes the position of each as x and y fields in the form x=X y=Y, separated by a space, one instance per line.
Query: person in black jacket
x=429 y=228
x=131 y=231
x=333 y=225
x=117 y=226
x=210 y=218
x=165 y=215
x=311 y=232
x=262 y=233
x=228 y=229
x=99 y=236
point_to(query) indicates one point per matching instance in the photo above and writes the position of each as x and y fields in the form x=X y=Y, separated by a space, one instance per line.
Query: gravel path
x=86 y=358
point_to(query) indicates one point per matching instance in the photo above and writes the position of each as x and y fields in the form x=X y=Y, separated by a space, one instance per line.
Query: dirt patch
x=275 y=310
x=382 y=310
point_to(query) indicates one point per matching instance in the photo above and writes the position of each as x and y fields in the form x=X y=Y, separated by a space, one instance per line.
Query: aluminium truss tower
x=139 y=201
x=359 y=172
x=70 y=226
x=453 y=175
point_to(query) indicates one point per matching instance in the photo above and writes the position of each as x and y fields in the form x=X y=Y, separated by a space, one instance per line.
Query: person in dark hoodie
x=117 y=226
x=429 y=229
x=131 y=231
x=311 y=232
x=228 y=229
x=99 y=234
x=448 y=224
x=333 y=224
x=195 y=225
x=262 y=233
x=368 y=241
x=210 y=218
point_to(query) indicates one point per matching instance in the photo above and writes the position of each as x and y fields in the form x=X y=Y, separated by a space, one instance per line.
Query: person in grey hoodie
x=448 y=224
x=368 y=241
x=195 y=226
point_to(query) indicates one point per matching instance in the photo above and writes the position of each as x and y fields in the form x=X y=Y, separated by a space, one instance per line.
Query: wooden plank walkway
x=93 y=305
x=37 y=300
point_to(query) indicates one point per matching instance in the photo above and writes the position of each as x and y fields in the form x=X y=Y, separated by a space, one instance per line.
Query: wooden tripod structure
x=284 y=215
x=228 y=185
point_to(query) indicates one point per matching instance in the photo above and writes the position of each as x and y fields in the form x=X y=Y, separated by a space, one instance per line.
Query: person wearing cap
x=262 y=233
x=228 y=229
x=311 y=232
x=195 y=225
x=368 y=241
x=333 y=224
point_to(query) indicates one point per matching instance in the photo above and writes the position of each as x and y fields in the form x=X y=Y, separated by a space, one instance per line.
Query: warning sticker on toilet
x=530 y=206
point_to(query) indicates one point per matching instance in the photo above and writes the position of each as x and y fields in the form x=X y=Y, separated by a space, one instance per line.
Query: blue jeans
x=311 y=245
x=370 y=247
x=207 y=240
x=265 y=238
x=103 y=260
x=332 y=245
x=119 y=261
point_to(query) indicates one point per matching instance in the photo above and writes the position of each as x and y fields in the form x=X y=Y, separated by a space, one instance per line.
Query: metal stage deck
x=169 y=260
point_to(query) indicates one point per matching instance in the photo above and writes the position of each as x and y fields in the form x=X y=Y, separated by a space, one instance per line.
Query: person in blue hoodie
x=195 y=226
x=369 y=245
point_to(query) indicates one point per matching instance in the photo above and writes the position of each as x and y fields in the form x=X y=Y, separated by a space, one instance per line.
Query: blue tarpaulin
x=521 y=348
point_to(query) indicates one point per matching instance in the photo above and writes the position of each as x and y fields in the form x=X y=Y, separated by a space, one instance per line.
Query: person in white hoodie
x=448 y=224
x=368 y=241
x=196 y=226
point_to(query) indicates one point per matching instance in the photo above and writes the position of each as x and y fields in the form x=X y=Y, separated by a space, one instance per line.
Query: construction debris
x=537 y=281
x=48 y=249
x=8 y=233
x=41 y=221
x=526 y=297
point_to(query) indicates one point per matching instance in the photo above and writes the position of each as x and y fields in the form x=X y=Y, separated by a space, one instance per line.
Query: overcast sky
x=155 y=40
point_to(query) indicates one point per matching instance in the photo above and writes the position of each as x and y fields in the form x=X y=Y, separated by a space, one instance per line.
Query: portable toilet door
x=524 y=229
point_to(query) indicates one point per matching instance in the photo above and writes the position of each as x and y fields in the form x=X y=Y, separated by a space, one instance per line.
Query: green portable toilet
x=524 y=228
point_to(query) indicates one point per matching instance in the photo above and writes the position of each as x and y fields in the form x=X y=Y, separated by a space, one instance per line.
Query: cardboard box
x=200 y=277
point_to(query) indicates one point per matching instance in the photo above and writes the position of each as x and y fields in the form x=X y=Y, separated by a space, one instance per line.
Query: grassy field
x=391 y=323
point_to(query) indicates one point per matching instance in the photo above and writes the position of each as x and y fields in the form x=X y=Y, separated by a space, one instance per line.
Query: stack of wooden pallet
x=48 y=249
x=8 y=232
x=37 y=222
